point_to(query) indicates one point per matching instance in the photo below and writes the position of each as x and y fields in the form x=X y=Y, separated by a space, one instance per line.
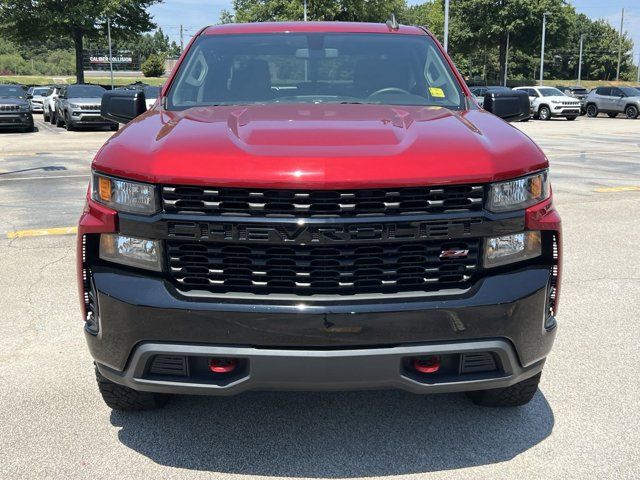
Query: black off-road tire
x=513 y=396
x=68 y=124
x=59 y=121
x=631 y=112
x=125 y=399
x=45 y=117
x=592 y=110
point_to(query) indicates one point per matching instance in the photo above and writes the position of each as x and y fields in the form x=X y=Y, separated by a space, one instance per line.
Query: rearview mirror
x=511 y=106
x=122 y=106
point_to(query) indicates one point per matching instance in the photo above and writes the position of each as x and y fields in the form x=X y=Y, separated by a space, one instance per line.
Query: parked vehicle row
x=68 y=106
x=571 y=102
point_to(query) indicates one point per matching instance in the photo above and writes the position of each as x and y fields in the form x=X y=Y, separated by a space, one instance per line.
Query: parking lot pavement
x=43 y=176
x=584 y=422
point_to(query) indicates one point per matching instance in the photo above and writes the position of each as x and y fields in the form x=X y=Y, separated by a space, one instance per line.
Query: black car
x=576 y=92
x=15 y=110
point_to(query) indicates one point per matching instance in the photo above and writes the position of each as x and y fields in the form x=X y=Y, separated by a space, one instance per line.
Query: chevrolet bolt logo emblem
x=453 y=253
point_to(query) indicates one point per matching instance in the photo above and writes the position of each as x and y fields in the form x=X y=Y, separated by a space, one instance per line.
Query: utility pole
x=620 y=46
x=544 y=33
x=305 y=10
x=638 y=79
x=110 y=50
x=446 y=25
x=580 y=61
x=181 y=39
x=506 y=61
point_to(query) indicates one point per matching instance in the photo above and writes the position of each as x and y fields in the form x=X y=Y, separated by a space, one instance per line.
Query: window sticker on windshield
x=436 y=92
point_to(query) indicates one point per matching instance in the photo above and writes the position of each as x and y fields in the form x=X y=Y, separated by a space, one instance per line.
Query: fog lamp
x=131 y=251
x=512 y=248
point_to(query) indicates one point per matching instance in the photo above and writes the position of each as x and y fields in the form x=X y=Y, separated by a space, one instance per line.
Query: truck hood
x=318 y=146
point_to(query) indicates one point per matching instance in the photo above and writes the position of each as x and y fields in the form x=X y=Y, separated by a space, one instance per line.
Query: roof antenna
x=392 y=23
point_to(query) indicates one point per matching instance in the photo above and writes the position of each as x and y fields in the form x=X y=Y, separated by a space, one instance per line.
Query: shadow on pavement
x=336 y=435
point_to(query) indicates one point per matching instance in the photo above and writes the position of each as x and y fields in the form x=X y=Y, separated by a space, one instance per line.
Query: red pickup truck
x=318 y=206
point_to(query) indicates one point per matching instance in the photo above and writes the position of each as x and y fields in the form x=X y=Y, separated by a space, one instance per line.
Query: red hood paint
x=319 y=146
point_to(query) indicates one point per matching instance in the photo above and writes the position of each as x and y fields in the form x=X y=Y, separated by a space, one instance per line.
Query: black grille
x=344 y=269
x=321 y=203
x=9 y=108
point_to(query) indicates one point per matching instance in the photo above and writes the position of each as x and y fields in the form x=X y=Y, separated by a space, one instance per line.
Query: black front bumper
x=15 y=120
x=142 y=316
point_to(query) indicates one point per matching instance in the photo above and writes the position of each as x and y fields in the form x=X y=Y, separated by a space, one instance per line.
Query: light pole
x=506 y=61
x=620 y=46
x=638 y=79
x=305 y=10
x=544 y=33
x=446 y=25
x=110 y=51
x=580 y=61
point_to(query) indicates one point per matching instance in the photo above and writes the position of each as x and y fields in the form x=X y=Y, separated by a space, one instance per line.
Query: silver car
x=613 y=101
x=36 y=98
x=79 y=106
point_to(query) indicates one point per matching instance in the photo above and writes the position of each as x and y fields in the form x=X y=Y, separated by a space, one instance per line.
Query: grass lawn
x=42 y=80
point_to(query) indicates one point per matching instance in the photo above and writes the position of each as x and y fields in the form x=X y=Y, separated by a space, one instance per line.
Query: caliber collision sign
x=99 y=60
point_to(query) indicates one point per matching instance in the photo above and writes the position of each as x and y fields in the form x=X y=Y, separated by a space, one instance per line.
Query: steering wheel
x=384 y=91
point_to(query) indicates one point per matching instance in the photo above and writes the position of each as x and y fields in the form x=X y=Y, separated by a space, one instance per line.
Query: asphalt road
x=584 y=422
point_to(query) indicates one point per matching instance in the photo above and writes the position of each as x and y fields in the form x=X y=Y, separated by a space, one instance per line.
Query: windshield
x=152 y=92
x=40 y=91
x=80 y=91
x=314 y=68
x=551 y=92
x=12 y=91
x=629 y=91
x=580 y=90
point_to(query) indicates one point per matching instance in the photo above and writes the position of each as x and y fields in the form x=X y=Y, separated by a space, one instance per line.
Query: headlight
x=24 y=108
x=74 y=105
x=123 y=195
x=131 y=251
x=518 y=194
x=556 y=101
x=512 y=248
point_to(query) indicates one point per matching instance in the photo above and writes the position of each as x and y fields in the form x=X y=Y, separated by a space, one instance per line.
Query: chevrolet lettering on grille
x=320 y=234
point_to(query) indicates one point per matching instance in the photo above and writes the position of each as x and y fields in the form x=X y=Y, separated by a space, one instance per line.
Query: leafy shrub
x=153 y=66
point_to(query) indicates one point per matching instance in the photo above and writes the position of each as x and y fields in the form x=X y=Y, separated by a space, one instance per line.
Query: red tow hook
x=223 y=365
x=430 y=364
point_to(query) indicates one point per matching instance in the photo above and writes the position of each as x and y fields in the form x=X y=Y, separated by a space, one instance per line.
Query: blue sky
x=194 y=14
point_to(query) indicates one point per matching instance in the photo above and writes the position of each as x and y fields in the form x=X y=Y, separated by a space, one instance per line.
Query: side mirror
x=29 y=96
x=511 y=106
x=122 y=106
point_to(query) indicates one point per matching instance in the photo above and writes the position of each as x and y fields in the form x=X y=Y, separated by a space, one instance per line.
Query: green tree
x=31 y=21
x=324 y=10
x=153 y=66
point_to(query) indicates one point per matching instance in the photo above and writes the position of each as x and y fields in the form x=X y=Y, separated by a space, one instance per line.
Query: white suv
x=548 y=102
x=49 y=103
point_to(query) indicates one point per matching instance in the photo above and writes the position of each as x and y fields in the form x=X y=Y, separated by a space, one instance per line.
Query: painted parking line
x=43 y=232
x=49 y=177
x=631 y=188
